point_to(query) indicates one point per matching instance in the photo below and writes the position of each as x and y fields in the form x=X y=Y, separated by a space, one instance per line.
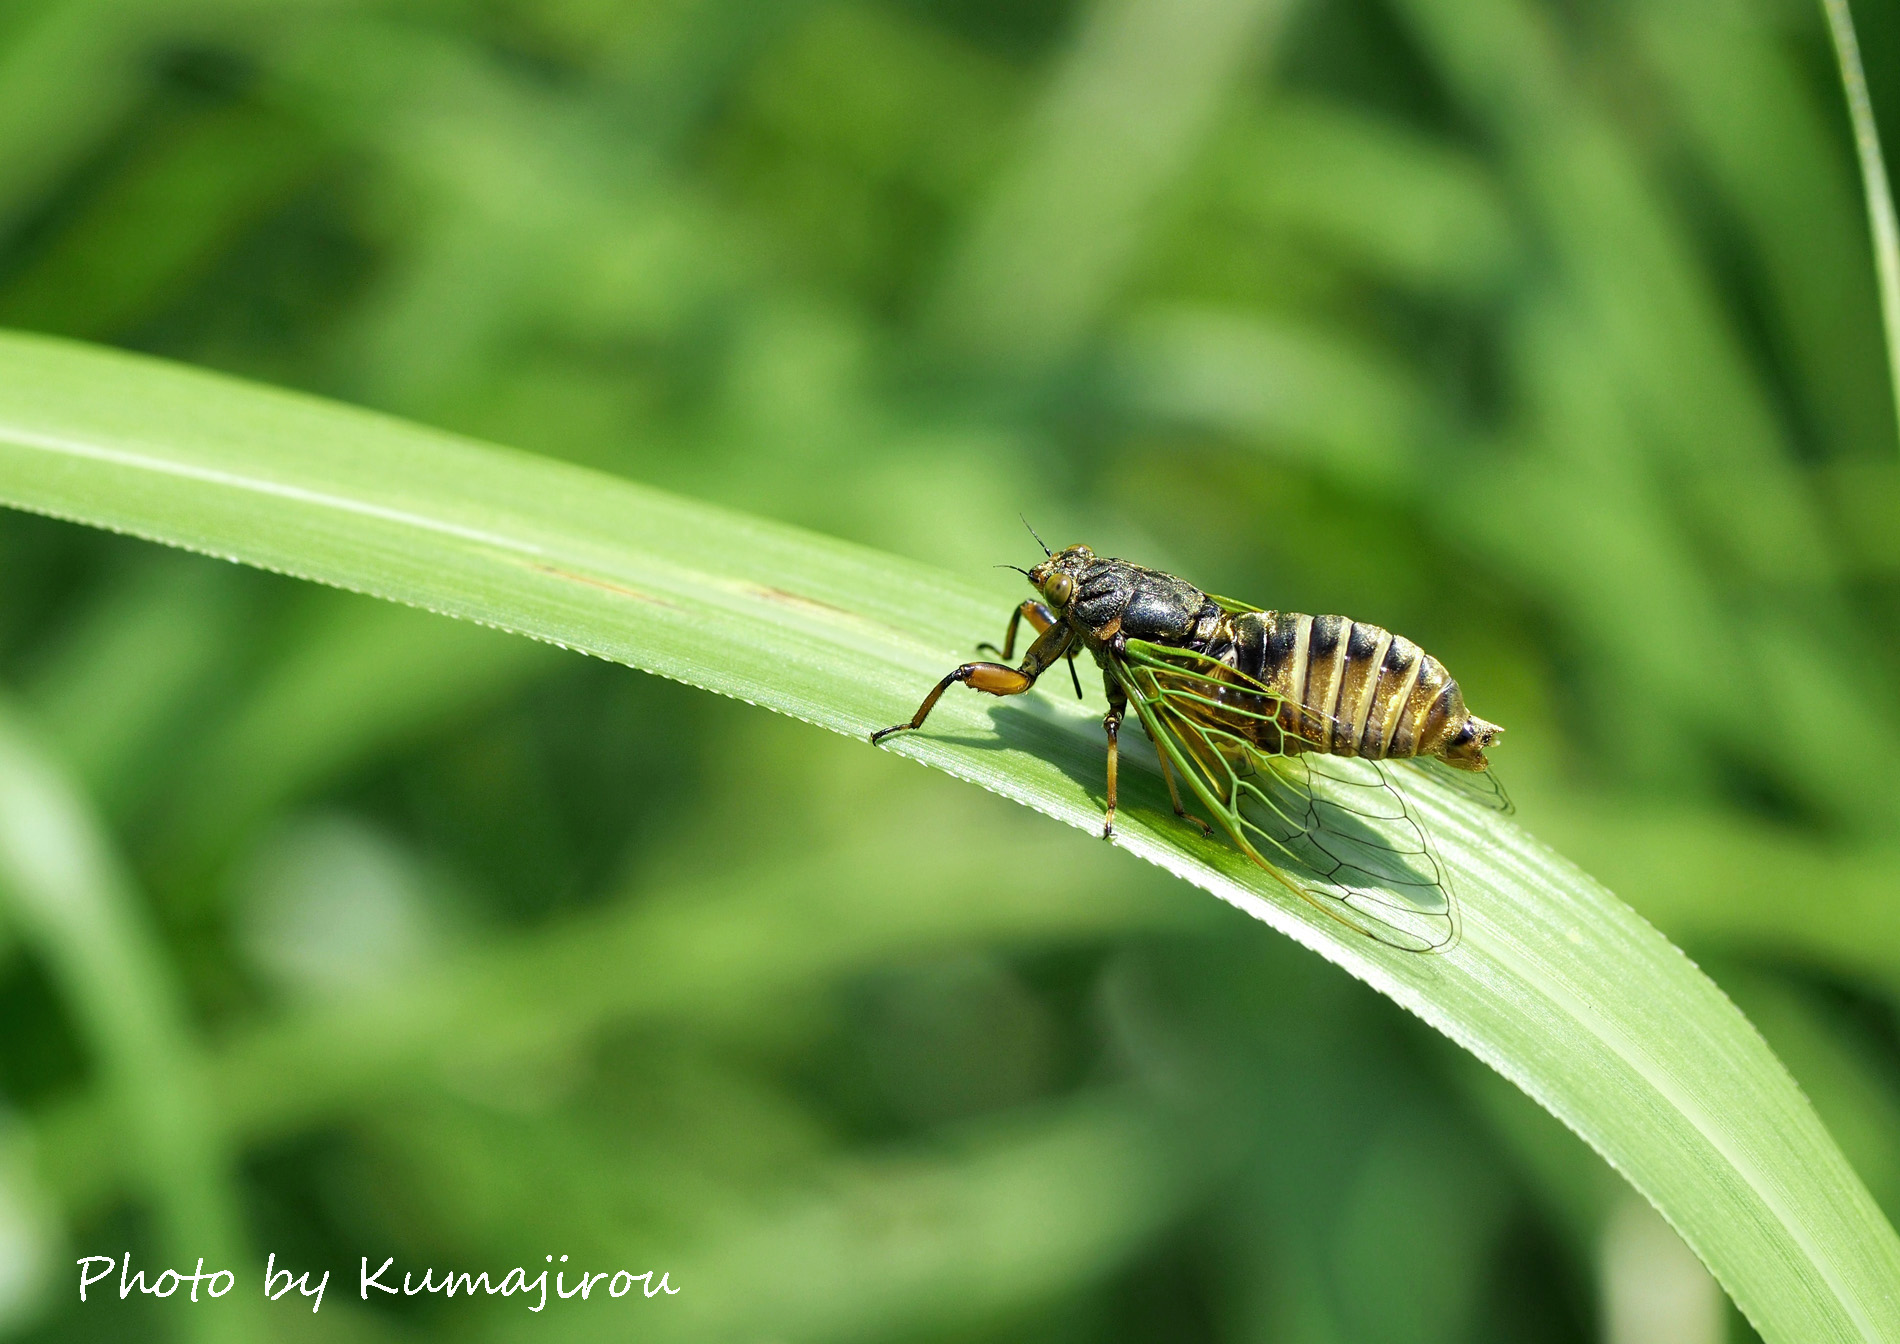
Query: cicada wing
x=1482 y=787
x=1366 y=845
x=1337 y=831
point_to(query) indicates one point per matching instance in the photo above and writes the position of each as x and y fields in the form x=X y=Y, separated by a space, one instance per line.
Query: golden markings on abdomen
x=1350 y=688
x=1365 y=657
x=1273 y=650
x=1398 y=674
x=1325 y=669
x=1414 y=718
x=1302 y=630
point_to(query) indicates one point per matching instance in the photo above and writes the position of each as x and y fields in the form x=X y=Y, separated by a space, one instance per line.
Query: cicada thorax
x=1347 y=688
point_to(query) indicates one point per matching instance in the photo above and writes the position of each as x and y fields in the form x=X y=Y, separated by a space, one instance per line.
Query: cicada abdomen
x=1353 y=689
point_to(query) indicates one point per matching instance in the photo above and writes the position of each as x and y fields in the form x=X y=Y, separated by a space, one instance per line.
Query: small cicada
x=1289 y=729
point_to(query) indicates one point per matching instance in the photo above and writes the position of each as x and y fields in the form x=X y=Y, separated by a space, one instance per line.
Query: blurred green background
x=1542 y=332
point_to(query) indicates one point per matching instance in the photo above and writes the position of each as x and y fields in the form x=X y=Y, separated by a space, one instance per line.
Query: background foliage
x=1543 y=334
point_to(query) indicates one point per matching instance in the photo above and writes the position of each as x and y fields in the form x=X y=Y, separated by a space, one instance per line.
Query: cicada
x=1299 y=734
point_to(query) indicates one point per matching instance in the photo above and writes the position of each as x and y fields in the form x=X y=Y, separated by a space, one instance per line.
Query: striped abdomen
x=1352 y=689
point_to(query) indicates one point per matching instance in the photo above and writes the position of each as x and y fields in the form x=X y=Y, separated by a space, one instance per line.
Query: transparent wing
x=1338 y=831
x=1482 y=787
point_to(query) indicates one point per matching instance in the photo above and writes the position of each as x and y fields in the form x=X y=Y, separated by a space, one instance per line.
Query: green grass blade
x=1881 y=222
x=1556 y=984
x=64 y=890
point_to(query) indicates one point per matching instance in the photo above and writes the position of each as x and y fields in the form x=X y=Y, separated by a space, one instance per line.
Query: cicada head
x=1057 y=577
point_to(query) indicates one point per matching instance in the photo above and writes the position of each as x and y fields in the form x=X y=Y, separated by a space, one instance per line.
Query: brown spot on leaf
x=592 y=582
x=784 y=598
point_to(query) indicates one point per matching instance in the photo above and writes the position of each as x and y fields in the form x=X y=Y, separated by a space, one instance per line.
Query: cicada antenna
x=1039 y=541
x=1018 y=568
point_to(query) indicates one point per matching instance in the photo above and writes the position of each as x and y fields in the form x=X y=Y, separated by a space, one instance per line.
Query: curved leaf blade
x=1555 y=984
x=1882 y=225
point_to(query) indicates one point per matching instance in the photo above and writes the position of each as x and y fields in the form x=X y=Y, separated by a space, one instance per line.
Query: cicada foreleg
x=1040 y=618
x=994 y=678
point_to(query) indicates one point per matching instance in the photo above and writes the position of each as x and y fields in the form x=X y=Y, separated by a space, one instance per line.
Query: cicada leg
x=995 y=678
x=1040 y=619
x=1115 y=692
x=1174 y=792
x=1111 y=724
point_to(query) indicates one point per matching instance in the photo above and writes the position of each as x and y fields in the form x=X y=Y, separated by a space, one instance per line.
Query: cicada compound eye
x=1061 y=588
